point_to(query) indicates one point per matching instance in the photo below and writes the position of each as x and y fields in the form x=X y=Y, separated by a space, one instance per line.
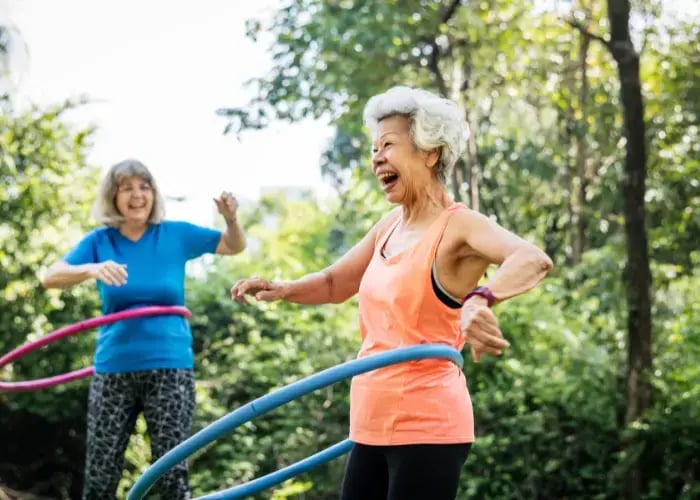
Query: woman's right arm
x=80 y=264
x=333 y=285
x=336 y=283
x=64 y=275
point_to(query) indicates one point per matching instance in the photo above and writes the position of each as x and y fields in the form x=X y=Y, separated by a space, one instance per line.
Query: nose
x=378 y=159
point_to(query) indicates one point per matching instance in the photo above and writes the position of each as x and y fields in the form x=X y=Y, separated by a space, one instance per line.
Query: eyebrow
x=131 y=183
x=387 y=133
x=384 y=135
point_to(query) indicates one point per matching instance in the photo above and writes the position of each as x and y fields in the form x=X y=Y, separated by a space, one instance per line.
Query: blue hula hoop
x=264 y=404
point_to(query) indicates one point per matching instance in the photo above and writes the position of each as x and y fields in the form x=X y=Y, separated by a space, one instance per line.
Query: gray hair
x=435 y=122
x=105 y=209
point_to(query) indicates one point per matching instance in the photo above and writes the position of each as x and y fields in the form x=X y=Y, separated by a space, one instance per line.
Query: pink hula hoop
x=67 y=331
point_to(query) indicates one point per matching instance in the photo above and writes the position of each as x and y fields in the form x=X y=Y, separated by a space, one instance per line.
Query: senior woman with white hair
x=145 y=364
x=417 y=273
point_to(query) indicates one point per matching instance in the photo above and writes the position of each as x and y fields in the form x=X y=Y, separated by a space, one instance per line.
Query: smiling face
x=134 y=200
x=402 y=169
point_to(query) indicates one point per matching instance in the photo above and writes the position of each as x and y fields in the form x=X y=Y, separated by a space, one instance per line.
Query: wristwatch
x=484 y=292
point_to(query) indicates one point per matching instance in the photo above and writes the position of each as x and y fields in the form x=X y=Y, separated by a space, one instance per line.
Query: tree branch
x=449 y=11
x=434 y=61
x=586 y=32
x=434 y=65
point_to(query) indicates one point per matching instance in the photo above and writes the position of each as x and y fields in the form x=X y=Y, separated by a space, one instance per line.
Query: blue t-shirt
x=155 y=265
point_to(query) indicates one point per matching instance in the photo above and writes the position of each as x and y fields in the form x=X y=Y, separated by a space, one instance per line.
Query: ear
x=431 y=158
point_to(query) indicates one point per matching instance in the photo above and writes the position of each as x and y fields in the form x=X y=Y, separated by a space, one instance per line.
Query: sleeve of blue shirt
x=84 y=252
x=198 y=240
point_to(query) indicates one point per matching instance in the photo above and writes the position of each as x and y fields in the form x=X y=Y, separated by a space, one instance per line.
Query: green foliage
x=674 y=168
x=45 y=191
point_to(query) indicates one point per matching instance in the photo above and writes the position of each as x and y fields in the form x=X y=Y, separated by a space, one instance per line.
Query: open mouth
x=137 y=207
x=388 y=180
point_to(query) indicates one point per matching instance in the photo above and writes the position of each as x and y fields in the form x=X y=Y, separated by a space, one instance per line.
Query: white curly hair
x=435 y=122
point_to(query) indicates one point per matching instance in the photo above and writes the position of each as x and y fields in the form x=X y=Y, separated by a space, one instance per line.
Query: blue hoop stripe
x=264 y=404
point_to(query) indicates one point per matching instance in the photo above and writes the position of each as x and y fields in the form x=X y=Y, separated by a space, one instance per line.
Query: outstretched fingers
x=249 y=286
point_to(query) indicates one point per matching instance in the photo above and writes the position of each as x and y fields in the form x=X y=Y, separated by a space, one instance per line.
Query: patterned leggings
x=167 y=400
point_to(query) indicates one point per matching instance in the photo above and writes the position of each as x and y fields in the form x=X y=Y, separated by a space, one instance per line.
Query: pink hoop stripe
x=67 y=331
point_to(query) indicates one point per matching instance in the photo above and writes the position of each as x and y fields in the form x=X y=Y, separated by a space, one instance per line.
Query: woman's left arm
x=232 y=239
x=521 y=264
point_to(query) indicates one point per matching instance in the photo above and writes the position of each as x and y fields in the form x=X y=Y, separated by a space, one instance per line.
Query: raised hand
x=227 y=205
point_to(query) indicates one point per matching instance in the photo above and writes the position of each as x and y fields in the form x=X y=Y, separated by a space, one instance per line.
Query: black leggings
x=167 y=400
x=407 y=472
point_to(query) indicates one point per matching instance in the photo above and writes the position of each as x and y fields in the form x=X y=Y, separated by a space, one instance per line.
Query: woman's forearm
x=519 y=272
x=63 y=275
x=314 y=289
x=234 y=236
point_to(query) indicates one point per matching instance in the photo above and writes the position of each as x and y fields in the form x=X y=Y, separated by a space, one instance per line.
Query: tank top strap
x=434 y=236
x=382 y=238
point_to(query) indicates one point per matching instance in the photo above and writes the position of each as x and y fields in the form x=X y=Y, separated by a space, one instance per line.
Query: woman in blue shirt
x=145 y=364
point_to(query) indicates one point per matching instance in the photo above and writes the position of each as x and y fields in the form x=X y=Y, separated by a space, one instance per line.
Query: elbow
x=238 y=248
x=46 y=279
x=231 y=247
x=532 y=258
x=545 y=262
x=243 y=245
x=542 y=261
x=52 y=277
x=52 y=281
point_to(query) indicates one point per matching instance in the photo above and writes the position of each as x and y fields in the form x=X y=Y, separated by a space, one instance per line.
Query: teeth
x=385 y=175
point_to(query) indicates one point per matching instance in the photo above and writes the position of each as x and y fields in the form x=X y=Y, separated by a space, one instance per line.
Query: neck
x=434 y=200
x=132 y=229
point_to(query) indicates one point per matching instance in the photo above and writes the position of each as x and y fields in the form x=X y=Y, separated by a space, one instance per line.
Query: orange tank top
x=417 y=402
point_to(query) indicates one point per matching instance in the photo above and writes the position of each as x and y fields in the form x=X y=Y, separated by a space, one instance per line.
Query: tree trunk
x=464 y=84
x=580 y=185
x=474 y=167
x=638 y=275
x=458 y=179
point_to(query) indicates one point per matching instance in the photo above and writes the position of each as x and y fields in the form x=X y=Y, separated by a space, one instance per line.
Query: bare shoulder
x=384 y=223
x=469 y=232
x=466 y=217
x=389 y=217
